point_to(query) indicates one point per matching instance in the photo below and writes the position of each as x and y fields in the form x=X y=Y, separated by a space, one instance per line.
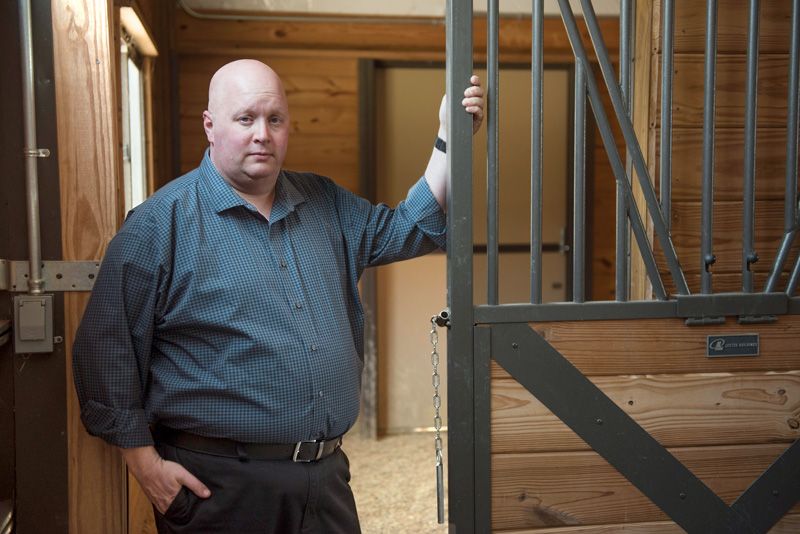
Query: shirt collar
x=223 y=197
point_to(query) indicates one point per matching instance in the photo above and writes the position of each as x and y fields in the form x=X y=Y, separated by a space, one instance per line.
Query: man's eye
x=245 y=120
x=275 y=120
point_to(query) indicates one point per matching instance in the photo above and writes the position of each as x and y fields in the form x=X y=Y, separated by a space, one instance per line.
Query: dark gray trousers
x=262 y=496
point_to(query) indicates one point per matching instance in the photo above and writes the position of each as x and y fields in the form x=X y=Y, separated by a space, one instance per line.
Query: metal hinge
x=56 y=275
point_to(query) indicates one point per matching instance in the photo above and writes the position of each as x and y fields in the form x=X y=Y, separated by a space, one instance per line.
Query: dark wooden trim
x=368 y=419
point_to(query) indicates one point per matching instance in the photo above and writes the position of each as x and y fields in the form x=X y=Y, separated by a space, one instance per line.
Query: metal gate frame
x=479 y=333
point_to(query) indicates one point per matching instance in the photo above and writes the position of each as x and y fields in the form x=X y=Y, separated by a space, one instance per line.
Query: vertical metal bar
x=31 y=159
x=492 y=145
x=622 y=235
x=665 y=161
x=483 y=431
x=790 y=194
x=613 y=154
x=790 y=205
x=707 y=257
x=537 y=65
x=579 y=186
x=749 y=255
x=642 y=173
x=461 y=401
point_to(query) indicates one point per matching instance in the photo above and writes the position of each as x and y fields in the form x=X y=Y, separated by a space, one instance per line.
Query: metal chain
x=437 y=419
x=437 y=400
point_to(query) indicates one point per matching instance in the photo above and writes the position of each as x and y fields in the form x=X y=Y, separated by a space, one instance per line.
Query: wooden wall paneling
x=602 y=185
x=690 y=27
x=85 y=58
x=581 y=488
x=665 y=346
x=677 y=410
x=687 y=96
x=389 y=40
x=687 y=163
x=645 y=80
x=790 y=524
x=323 y=104
x=727 y=235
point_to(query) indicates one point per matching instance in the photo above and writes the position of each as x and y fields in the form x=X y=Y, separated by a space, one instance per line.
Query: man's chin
x=261 y=172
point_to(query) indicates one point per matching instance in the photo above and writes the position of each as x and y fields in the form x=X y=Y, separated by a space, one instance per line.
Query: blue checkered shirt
x=209 y=318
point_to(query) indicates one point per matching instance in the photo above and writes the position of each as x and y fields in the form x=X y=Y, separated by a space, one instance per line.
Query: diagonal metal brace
x=775 y=492
x=611 y=432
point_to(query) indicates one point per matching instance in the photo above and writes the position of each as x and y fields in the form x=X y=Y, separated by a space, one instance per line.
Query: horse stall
x=656 y=391
x=673 y=406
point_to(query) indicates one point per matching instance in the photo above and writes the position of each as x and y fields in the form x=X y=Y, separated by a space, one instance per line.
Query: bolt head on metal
x=515 y=345
x=598 y=421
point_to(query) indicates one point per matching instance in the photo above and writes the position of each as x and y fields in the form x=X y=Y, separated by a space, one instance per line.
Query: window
x=136 y=49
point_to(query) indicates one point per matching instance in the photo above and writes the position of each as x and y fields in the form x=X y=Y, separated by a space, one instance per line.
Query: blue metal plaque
x=732 y=345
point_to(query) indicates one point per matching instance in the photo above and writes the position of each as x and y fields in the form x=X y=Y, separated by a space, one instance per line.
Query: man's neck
x=262 y=202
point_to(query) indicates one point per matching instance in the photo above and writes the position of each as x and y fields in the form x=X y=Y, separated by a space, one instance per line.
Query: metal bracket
x=751 y=308
x=37 y=152
x=56 y=275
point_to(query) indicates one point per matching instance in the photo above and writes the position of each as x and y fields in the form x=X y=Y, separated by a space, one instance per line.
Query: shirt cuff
x=426 y=212
x=123 y=428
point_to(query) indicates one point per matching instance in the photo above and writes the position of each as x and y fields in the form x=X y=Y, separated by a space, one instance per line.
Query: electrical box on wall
x=33 y=323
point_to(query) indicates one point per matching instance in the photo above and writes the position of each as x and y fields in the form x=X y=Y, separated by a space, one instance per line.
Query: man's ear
x=208 y=126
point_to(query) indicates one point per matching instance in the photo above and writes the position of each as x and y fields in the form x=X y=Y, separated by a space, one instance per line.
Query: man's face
x=248 y=129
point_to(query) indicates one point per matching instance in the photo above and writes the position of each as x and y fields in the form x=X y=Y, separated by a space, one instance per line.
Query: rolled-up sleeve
x=112 y=346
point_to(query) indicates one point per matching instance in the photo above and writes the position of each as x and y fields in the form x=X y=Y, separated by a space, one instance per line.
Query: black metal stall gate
x=482 y=334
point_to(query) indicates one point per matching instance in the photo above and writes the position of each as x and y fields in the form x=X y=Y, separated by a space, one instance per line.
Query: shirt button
x=298 y=305
x=314 y=348
x=283 y=264
x=320 y=394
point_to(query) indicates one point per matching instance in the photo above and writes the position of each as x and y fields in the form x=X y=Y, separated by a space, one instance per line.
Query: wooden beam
x=677 y=410
x=690 y=27
x=662 y=346
x=375 y=39
x=85 y=59
x=788 y=525
x=580 y=488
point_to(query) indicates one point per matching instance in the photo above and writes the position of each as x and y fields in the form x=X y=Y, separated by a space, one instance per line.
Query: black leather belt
x=302 y=451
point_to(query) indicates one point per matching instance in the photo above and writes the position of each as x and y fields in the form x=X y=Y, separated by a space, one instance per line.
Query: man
x=221 y=349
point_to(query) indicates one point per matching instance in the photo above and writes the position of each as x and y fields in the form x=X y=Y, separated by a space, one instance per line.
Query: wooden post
x=85 y=64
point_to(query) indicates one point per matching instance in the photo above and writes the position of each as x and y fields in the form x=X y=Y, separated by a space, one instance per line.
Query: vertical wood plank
x=644 y=73
x=85 y=63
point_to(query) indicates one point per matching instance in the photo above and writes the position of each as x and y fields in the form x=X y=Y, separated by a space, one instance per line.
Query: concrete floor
x=394 y=483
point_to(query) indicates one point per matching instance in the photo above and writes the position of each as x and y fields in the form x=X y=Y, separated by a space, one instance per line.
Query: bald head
x=247 y=125
x=242 y=76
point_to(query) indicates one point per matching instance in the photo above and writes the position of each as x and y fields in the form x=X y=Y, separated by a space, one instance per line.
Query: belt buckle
x=298 y=446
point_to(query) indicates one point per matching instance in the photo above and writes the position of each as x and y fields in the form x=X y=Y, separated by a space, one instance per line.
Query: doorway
x=407 y=98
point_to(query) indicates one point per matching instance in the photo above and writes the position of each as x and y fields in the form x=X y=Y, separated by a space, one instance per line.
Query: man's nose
x=261 y=132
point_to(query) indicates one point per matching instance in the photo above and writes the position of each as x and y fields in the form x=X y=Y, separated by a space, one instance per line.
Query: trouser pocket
x=180 y=510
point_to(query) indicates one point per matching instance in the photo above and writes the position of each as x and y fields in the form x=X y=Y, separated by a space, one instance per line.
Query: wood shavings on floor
x=394 y=482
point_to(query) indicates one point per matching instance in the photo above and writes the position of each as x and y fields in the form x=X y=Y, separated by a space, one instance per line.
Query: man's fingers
x=193 y=483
